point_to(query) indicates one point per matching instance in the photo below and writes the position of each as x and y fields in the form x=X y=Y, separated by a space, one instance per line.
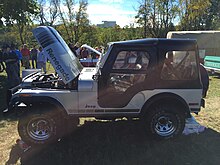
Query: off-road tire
x=40 y=127
x=164 y=121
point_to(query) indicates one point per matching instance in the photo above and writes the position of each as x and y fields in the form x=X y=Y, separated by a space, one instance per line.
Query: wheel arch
x=36 y=101
x=166 y=98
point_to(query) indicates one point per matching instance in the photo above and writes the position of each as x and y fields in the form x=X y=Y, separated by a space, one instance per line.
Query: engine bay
x=52 y=81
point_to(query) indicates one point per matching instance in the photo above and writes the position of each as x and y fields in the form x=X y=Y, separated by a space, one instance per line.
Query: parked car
x=155 y=80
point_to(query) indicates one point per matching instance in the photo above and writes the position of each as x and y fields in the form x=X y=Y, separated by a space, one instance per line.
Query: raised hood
x=57 y=51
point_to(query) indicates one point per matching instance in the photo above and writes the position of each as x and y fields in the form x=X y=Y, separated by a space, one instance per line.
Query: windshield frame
x=104 y=57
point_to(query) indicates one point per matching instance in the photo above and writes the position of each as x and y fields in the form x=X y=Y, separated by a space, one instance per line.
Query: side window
x=179 y=65
x=133 y=66
x=134 y=60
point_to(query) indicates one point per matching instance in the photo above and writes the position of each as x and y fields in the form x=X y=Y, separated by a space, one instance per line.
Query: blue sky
x=121 y=11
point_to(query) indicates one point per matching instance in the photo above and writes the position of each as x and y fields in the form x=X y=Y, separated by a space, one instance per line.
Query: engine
x=52 y=81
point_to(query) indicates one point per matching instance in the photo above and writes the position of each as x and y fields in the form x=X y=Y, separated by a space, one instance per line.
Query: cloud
x=121 y=11
x=114 y=12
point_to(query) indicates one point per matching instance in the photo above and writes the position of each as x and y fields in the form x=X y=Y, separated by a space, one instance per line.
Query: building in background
x=107 y=24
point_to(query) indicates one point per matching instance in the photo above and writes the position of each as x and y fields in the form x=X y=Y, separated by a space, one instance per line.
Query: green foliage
x=75 y=21
x=18 y=13
x=96 y=36
x=212 y=18
x=18 y=10
x=199 y=15
x=156 y=17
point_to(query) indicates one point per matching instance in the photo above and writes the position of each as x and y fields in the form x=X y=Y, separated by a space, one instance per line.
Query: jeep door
x=127 y=71
x=179 y=67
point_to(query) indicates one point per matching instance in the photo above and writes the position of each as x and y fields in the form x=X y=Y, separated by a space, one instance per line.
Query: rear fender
x=166 y=98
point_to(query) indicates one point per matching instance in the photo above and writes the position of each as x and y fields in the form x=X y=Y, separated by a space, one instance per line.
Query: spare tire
x=205 y=80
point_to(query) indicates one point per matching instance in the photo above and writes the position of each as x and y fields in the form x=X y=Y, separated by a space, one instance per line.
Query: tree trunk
x=20 y=30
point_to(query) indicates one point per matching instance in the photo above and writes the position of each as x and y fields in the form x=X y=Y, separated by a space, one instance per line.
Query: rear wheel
x=164 y=121
x=40 y=127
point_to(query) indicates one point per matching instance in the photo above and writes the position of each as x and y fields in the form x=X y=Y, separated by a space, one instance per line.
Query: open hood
x=57 y=51
x=90 y=48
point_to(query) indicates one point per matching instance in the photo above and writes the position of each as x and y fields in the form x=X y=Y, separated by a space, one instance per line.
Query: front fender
x=19 y=105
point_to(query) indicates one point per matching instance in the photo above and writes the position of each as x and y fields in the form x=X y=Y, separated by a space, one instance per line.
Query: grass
x=210 y=116
x=119 y=142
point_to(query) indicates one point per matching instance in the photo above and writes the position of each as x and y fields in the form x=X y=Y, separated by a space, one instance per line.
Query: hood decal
x=57 y=51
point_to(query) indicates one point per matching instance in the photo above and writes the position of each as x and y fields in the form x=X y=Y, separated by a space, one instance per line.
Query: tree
x=67 y=18
x=18 y=13
x=193 y=14
x=48 y=11
x=81 y=20
x=212 y=18
x=156 y=16
x=143 y=15
x=75 y=21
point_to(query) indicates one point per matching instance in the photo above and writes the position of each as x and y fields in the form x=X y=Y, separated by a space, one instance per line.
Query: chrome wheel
x=40 y=128
x=165 y=124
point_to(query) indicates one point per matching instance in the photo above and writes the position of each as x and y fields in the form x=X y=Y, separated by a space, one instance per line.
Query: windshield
x=57 y=51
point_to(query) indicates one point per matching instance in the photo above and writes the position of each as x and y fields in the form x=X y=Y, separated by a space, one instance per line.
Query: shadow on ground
x=3 y=100
x=122 y=143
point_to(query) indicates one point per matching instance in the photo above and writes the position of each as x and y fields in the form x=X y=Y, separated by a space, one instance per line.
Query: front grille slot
x=46 y=39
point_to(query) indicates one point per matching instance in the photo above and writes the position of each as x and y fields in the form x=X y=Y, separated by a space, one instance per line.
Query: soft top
x=156 y=41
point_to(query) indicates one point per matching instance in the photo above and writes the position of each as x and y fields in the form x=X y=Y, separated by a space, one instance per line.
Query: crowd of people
x=12 y=59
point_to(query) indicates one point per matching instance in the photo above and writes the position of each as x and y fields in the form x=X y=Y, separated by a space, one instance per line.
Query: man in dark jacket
x=2 y=66
x=18 y=53
x=11 y=61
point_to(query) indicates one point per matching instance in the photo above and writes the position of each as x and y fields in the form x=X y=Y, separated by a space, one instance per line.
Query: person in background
x=11 y=61
x=41 y=60
x=34 y=53
x=18 y=53
x=2 y=66
x=71 y=46
x=94 y=55
x=84 y=53
x=76 y=48
x=25 y=56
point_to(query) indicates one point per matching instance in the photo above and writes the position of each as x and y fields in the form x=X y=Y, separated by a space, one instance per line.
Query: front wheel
x=38 y=128
x=164 y=121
